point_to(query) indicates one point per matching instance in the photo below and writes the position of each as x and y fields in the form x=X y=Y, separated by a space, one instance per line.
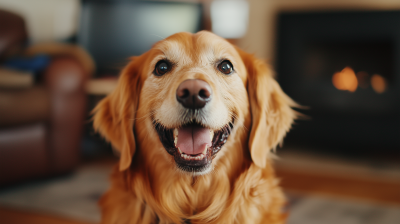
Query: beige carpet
x=73 y=197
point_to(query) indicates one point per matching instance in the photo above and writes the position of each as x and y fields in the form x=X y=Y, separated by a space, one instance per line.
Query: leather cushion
x=12 y=34
x=23 y=153
x=23 y=106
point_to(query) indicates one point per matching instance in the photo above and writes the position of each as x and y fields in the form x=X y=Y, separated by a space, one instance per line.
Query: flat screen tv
x=114 y=30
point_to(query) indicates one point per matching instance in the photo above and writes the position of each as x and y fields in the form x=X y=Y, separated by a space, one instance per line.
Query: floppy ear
x=272 y=115
x=114 y=116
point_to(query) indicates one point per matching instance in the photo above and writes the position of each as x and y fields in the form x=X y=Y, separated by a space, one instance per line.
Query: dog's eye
x=162 y=67
x=225 y=67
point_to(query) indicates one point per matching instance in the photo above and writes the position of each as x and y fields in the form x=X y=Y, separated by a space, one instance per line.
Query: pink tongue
x=193 y=139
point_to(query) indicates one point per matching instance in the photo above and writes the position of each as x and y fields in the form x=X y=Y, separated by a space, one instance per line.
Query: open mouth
x=192 y=145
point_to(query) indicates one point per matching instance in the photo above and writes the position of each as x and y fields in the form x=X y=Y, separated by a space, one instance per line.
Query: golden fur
x=146 y=185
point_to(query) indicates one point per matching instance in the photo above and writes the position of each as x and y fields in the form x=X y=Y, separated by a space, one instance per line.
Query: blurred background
x=340 y=59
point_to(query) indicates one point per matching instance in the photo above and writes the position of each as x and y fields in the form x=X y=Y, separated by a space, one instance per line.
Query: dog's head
x=188 y=96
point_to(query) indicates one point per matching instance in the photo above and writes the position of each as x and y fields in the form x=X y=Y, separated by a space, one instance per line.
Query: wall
x=46 y=20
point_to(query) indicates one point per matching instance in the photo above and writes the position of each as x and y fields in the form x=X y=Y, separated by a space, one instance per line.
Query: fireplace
x=344 y=66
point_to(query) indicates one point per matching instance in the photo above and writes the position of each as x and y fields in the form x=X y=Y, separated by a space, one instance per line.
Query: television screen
x=113 y=31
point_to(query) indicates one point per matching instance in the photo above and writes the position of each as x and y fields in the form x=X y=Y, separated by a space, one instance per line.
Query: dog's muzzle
x=193 y=145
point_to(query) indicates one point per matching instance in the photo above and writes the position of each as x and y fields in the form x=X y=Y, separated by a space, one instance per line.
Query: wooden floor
x=13 y=216
x=379 y=191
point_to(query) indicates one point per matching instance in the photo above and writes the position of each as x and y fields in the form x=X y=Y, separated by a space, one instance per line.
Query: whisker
x=145 y=116
x=237 y=126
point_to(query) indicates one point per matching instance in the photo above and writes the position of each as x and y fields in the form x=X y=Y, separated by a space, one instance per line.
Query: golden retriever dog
x=194 y=120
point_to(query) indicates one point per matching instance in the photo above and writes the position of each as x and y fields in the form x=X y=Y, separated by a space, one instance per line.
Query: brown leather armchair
x=41 y=125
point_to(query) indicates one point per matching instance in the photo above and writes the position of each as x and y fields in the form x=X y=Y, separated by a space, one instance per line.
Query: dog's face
x=192 y=92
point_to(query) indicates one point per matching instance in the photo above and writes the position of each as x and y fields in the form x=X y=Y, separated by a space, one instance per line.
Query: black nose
x=193 y=93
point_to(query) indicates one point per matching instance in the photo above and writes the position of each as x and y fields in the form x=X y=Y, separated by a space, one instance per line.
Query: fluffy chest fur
x=251 y=197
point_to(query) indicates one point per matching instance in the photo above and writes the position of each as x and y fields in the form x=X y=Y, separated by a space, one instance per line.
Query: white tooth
x=205 y=150
x=176 y=132
x=211 y=134
x=182 y=155
x=179 y=150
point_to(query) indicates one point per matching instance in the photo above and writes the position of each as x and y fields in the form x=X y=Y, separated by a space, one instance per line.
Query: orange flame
x=378 y=83
x=345 y=80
